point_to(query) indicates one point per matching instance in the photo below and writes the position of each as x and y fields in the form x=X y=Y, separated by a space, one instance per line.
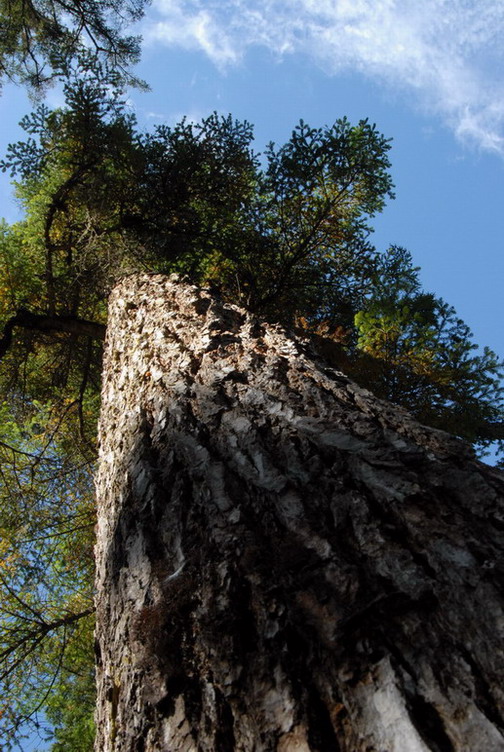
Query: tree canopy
x=285 y=233
x=41 y=39
x=424 y=357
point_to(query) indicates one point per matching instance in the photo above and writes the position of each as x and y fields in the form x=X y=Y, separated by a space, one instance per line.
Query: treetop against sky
x=431 y=77
x=448 y=53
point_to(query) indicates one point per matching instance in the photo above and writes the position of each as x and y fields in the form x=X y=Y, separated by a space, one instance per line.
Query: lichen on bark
x=284 y=562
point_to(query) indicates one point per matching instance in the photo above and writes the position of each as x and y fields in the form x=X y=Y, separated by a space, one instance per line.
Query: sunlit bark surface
x=284 y=562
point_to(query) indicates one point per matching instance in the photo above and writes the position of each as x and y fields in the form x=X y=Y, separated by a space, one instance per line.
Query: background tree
x=46 y=523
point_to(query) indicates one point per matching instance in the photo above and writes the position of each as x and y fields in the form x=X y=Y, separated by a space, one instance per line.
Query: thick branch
x=49 y=323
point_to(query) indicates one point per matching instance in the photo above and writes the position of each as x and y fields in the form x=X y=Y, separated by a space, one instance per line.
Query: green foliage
x=40 y=40
x=314 y=200
x=46 y=522
x=285 y=240
x=424 y=357
x=70 y=706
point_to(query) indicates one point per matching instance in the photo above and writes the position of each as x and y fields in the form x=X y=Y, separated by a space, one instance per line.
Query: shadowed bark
x=284 y=562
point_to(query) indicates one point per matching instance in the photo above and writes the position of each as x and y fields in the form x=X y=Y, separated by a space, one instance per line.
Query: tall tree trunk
x=284 y=562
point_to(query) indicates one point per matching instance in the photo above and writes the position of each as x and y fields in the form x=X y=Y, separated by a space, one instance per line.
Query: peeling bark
x=284 y=562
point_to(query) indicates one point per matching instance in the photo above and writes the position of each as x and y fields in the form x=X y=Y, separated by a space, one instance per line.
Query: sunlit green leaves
x=424 y=356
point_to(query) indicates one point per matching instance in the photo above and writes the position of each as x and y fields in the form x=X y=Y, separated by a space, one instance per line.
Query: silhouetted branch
x=49 y=323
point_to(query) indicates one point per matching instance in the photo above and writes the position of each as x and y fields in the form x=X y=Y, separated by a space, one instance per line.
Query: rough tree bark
x=284 y=562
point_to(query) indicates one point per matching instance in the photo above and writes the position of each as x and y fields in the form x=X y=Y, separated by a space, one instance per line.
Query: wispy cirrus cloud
x=446 y=54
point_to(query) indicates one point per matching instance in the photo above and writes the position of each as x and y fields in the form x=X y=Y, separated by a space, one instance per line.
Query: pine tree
x=287 y=238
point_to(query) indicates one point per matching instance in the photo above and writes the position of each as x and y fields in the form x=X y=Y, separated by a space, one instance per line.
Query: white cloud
x=192 y=28
x=447 y=53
